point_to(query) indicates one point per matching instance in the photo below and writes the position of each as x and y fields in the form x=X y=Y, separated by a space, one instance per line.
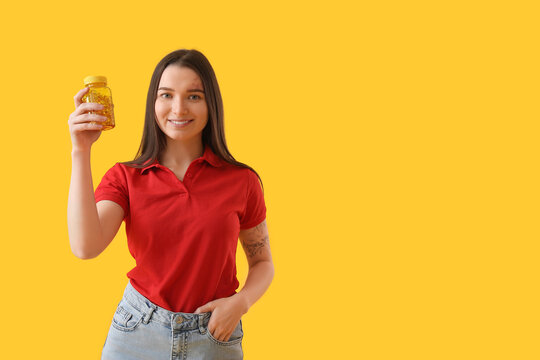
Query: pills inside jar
x=99 y=93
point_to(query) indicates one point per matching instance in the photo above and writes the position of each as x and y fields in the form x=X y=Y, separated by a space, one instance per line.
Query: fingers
x=84 y=118
x=81 y=115
x=85 y=122
x=204 y=308
x=212 y=327
x=81 y=107
x=86 y=126
x=85 y=107
x=226 y=337
x=78 y=97
x=216 y=333
x=219 y=333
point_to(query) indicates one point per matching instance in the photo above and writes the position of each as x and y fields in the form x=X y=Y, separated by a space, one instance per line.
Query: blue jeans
x=142 y=330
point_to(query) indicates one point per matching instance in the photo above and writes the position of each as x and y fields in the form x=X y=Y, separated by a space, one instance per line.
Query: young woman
x=185 y=201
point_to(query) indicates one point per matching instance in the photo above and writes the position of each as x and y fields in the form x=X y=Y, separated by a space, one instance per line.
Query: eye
x=198 y=97
x=164 y=94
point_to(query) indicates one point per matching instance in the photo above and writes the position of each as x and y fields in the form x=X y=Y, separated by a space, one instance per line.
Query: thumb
x=205 y=308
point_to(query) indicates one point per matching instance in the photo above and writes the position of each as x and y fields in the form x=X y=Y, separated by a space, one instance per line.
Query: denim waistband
x=175 y=320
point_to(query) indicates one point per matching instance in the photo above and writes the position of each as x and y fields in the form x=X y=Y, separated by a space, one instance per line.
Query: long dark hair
x=154 y=140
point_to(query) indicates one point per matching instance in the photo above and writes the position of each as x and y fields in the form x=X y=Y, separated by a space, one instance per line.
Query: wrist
x=243 y=301
x=80 y=151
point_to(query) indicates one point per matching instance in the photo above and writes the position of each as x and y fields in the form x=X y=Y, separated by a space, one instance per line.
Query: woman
x=185 y=201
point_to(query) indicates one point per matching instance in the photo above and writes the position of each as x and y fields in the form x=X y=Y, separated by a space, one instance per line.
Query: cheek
x=158 y=109
x=158 y=115
x=205 y=117
x=203 y=110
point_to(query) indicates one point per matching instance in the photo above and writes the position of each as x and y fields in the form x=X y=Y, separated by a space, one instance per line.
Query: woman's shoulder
x=238 y=170
x=122 y=171
x=132 y=167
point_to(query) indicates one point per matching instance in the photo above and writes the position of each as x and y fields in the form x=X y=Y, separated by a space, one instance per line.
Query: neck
x=181 y=154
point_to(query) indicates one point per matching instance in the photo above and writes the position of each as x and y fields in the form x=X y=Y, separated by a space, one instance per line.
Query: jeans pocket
x=235 y=338
x=126 y=317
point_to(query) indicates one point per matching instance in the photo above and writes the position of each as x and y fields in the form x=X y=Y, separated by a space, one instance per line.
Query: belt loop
x=148 y=313
x=202 y=330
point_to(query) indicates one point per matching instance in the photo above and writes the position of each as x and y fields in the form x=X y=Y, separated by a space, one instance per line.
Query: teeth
x=179 y=122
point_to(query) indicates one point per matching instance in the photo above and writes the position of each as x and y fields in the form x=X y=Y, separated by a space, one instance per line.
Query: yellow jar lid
x=94 y=79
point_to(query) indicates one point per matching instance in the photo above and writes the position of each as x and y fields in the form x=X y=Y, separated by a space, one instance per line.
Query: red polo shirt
x=183 y=234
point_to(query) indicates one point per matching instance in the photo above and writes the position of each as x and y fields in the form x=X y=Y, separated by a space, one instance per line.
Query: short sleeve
x=255 y=207
x=113 y=186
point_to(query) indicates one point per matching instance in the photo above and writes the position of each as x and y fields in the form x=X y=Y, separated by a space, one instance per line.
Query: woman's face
x=181 y=97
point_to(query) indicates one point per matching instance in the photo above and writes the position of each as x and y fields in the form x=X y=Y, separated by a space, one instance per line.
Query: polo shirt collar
x=209 y=156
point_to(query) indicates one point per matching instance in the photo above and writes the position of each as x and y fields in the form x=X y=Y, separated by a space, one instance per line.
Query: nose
x=179 y=107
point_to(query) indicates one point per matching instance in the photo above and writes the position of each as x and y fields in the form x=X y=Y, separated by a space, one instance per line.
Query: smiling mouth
x=180 y=122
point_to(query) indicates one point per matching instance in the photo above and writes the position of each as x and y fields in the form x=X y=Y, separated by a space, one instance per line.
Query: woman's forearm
x=258 y=280
x=83 y=221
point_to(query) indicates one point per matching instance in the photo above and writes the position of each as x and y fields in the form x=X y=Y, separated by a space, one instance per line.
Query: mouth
x=180 y=122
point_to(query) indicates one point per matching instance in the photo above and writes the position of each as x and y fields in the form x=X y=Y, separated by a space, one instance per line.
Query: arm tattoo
x=257 y=241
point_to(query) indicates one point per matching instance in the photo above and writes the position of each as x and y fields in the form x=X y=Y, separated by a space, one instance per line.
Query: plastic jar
x=101 y=94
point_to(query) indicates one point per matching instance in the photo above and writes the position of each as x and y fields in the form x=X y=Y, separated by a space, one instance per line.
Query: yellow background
x=397 y=142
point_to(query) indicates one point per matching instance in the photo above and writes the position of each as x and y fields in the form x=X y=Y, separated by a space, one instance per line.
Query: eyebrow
x=190 y=90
